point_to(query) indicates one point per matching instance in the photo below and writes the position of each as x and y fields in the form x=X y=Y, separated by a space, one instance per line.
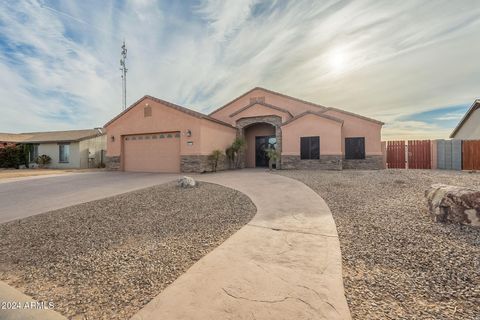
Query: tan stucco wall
x=163 y=119
x=358 y=127
x=52 y=150
x=206 y=135
x=471 y=128
x=258 y=110
x=92 y=147
x=295 y=107
x=215 y=137
x=261 y=129
x=330 y=133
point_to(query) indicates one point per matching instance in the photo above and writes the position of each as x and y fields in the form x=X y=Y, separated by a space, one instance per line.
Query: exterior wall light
x=189 y=133
x=112 y=138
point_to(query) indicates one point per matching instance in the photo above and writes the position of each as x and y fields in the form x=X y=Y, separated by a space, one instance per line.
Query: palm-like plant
x=272 y=156
x=233 y=152
x=214 y=157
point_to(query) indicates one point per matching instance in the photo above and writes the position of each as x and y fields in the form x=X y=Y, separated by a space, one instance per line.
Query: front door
x=263 y=143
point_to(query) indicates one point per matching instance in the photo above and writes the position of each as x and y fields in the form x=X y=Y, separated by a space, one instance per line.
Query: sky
x=411 y=64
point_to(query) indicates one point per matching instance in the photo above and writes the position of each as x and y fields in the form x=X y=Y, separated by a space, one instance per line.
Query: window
x=64 y=152
x=33 y=153
x=309 y=148
x=355 y=148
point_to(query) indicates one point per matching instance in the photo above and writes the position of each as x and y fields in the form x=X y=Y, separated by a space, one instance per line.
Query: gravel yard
x=106 y=259
x=397 y=263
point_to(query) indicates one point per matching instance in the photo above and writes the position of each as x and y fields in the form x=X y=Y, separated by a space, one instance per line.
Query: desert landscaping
x=397 y=262
x=106 y=259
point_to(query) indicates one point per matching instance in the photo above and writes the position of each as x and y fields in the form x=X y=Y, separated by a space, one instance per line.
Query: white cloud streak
x=399 y=58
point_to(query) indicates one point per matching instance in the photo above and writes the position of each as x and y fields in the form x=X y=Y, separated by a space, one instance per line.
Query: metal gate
x=449 y=154
x=471 y=154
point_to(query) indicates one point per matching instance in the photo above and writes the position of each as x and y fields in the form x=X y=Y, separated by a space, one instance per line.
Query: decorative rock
x=186 y=182
x=454 y=204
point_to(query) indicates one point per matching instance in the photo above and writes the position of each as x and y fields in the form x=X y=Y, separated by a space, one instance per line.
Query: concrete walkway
x=285 y=264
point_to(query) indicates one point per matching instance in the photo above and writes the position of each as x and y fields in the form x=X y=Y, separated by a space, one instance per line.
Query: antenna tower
x=123 y=68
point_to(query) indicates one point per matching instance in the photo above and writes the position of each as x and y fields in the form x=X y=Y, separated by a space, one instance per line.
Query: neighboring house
x=469 y=127
x=10 y=139
x=68 y=149
x=158 y=136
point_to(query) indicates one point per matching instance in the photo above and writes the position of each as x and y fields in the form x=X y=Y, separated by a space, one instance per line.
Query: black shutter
x=304 y=148
x=314 y=147
x=355 y=148
x=309 y=148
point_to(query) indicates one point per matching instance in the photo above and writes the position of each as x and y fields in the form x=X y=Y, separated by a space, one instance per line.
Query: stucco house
x=469 y=126
x=72 y=149
x=154 y=135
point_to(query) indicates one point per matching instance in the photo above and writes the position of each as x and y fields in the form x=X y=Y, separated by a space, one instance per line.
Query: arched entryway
x=260 y=133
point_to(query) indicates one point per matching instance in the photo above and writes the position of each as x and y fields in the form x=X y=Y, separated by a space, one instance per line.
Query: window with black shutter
x=355 y=148
x=309 y=148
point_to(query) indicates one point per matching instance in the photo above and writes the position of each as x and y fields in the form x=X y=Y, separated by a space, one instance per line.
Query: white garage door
x=158 y=152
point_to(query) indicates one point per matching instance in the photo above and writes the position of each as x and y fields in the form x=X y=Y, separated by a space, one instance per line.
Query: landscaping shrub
x=214 y=157
x=235 y=150
x=11 y=157
x=43 y=160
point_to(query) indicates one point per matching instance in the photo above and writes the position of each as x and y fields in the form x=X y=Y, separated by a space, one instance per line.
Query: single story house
x=72 y=149
x=154 y=135
x=469 y=127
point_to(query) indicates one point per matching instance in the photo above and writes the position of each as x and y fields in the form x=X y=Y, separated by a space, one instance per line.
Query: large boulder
x=454 y=204
x=186 y=182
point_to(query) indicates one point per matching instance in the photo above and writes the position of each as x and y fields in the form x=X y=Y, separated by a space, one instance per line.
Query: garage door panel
x=152 y=153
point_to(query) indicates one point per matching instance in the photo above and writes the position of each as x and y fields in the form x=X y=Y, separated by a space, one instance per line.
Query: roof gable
x=190 y=112
x=268 y=91
x=321 y=108
x=318 y=114
x=252 y=104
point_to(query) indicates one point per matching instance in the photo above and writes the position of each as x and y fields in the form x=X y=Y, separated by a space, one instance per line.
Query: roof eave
x=185 y=110
x=473 y=107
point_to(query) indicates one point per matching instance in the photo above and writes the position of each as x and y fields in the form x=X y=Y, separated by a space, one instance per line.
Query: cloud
x=450 y=116
x=60 y=60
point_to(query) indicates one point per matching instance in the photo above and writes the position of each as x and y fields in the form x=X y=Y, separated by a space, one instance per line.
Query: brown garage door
x=158 y=152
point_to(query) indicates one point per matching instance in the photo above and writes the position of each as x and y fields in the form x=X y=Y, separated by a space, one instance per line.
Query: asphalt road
x=30 y=196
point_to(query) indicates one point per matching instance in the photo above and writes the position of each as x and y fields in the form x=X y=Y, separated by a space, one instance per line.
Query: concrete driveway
x=29 y=196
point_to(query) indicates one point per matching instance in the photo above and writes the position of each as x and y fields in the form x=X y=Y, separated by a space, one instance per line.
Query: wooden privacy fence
x=471 y=154
x=416 y=154
x=437 y=154
x=396 y=154
x=419 y=154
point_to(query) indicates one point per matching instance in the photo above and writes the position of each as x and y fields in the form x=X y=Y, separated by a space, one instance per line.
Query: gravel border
x=397 y=262
x=106 y=259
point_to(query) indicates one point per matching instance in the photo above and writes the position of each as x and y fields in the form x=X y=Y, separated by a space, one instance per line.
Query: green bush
x=235 y=150
x=43 y=160
x=272 y=156
x=11 y=157
x=214 y=157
